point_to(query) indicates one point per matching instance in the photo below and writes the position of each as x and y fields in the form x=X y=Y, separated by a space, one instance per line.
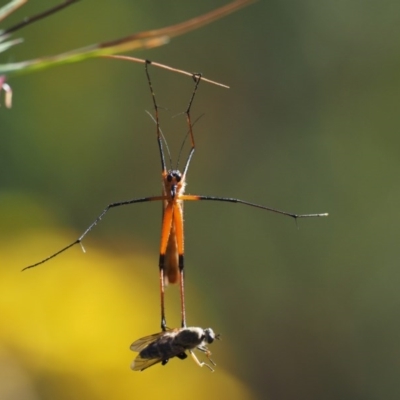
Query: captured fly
x=162 y=346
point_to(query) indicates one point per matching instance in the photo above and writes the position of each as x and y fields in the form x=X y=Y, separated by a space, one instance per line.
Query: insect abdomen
x=171 y=259
x=162 y=349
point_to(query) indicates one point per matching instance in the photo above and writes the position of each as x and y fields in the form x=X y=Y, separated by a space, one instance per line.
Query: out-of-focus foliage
x=310 y=124
x=140 y=40
x=66 y=332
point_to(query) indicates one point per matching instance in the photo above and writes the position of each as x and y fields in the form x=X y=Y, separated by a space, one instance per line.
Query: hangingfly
x=162 y=346
x=171 y=259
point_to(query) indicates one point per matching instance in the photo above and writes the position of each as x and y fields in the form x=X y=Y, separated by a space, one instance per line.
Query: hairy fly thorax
x=173 y=187
x=195 y=336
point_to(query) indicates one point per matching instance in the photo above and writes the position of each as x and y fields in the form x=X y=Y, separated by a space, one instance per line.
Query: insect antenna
x=185 y=138
x=163 y=138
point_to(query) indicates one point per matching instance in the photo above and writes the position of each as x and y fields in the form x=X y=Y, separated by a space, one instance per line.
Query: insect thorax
x=173 y=183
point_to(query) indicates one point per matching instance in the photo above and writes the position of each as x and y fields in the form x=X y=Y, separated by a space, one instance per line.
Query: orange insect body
x=172 y=239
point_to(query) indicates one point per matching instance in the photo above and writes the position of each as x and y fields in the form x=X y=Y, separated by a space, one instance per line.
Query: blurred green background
x=310 y=124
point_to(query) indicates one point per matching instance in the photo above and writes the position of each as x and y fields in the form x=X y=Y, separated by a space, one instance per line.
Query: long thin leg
x=197 y=79
x=182 y=290
x=162 y=294
x=178 y=223
x=247 y=203
x=96 y=221
x=153 y=96
x=165 y=234
x=178 y=217
x=168 y=210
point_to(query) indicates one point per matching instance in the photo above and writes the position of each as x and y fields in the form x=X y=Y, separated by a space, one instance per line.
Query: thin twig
x=29 y=20
x=9 y=8
x=147 y=39
x=180 y=71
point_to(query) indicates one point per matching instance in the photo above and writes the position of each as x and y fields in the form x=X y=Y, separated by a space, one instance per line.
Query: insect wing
x=140 y=364
x=142 y=343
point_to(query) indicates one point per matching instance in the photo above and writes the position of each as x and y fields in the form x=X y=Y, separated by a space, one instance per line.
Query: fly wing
x=142 y=343
x=140 y=364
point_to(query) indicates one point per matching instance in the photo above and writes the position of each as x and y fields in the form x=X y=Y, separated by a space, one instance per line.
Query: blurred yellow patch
x=67 y=326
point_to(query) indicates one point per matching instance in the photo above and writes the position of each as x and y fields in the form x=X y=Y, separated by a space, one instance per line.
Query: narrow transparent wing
x=140 y=364
x=143 y=342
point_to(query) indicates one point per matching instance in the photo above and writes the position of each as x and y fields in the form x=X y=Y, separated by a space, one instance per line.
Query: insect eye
x=178 y=178
x=169 y=178
x=210 y=339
